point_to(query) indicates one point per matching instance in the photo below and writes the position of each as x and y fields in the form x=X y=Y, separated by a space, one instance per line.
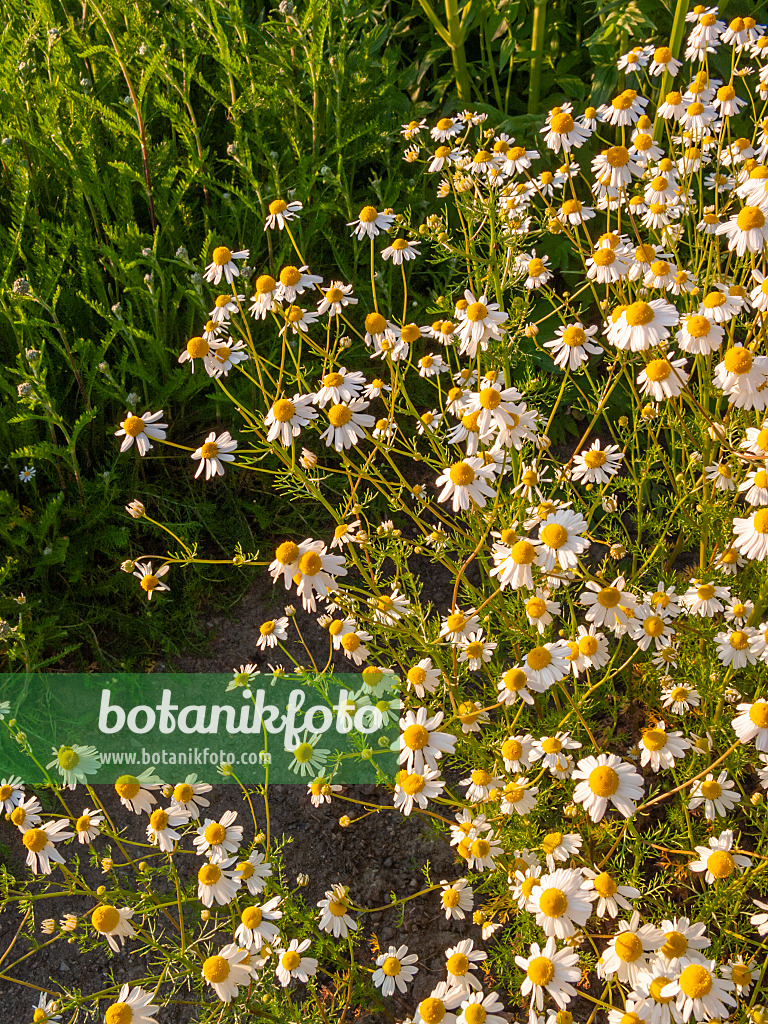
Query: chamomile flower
x=347 y=424
x=751 y=538
x=716 y=860
x=370 y=223
x=752 y=724
x=280 y=212
x=133 y=1005
x=466 y=483
x=75 y=763
x=627 y=955
x=605 y=780
x=218 y=839
x=679 y=698
x=287 y=418
x=601 y=888
x=733 y=647
x=39 y=842
x=140 y=429
x=395 y=970
x=456 y=899
x=11 y=793
x=401 y=250
x=561 y=541
x=597 y=465
x=137 y=792
x=716 y=795
x=114 y=924
x=661 y=749
x=222 y=262
x=549 y=971
x=188 y=796
x=213 y=453
x=421 y=741
x=161 y=830
x=218 y=882
x=226 y=971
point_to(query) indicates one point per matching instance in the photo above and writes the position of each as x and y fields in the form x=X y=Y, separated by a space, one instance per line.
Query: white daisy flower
x=549 y=971
x=607 y=779
x=395 y=970
x=716 y=860
x=222 y=262
x=347 y=423
x=280 y=213
x=218 y=882
x=291 y=964
x=370 y=223
x=226 y=972
x=218 y=839
x=288 y=417
x=114 y=923
x=752 y=724
x=213 y=453
x=661 y=749
x=133 y=1005
x=603 y=889
x=597 y=465
x=140 y=429
x=626 y=956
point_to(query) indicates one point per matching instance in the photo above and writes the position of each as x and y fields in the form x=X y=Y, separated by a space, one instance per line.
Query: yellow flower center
x=654 y=625
x=339 y=415
x=588 y=644
x=656 y=988
x=695 y=981
x=603 y=257
x=720 y=864
x=750 y=217
x=476 y=311
x=158 y=820
x=594 y=458
x=104 y=919
x=536 y=268
x=628 y=947
x=617 y=156
x=605 y=885
x=133 y=426
x=287 y=553
x=118 y=1013
x=554 y=535
x=537 y=659
x=277 y=206
x=515 y=679
x=83 y=823
x=536 y=607
x=127 y=787
x=603 y=781
x=741 y=975
x=738 y=640
x=221 y=256
x=432 y=1010
x=458 y=964
x=416 y=737
x=412 y=784
x=609 y=597
x=209 y=450
x=290 y=960
x=639 y=314
x=475 y=1013
x=562 y=123
x=461 y=474
x=758 y=715
x=391 y=967
x=216 y=969
x=197 y=348
x=480 y=848
x=697 y=326
x=368 y=215
x=760 y=521
x=35 y=839
x=523 y=552
x=552 y=745
x=215 y=833
x=209 y=874
x=553 y=902
x=654 y=739
x=658 y=370
x=540 y=970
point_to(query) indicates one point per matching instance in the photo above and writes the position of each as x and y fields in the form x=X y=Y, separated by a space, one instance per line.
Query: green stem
x=537 y=60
